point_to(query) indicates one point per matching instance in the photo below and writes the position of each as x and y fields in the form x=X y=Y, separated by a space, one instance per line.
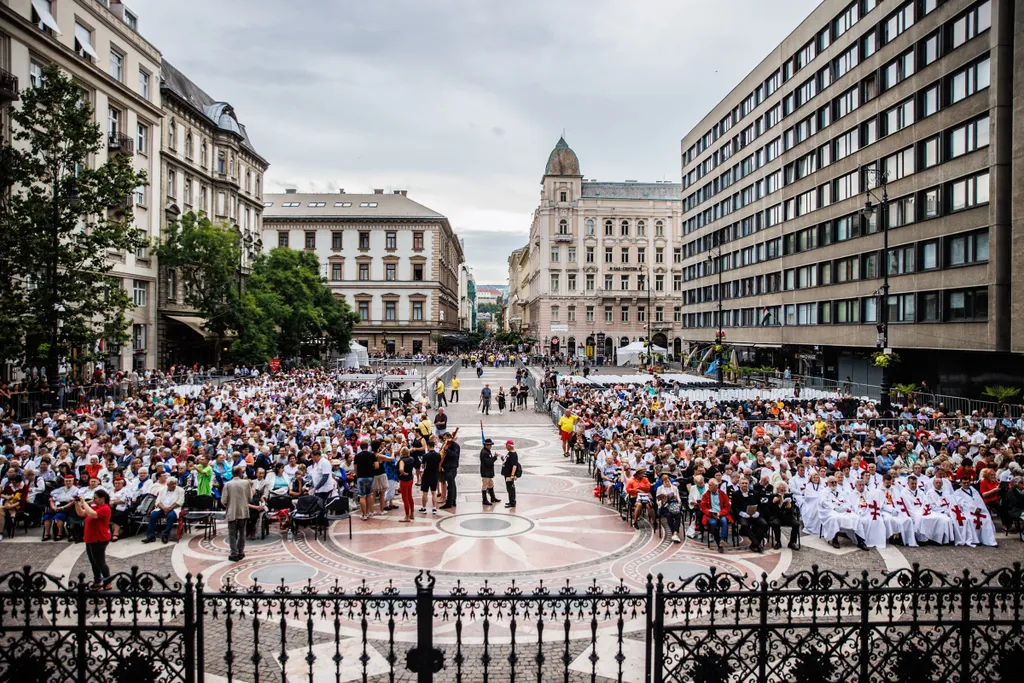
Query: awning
x=194 y=323
x=43 y=10
x=84 y=38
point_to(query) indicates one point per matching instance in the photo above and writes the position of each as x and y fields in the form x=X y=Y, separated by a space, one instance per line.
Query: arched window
x=202 y=154
x=641 y=228
x=590 y=226
x=221 y=162
x=659 y=229
x=625 y=228
x=572 y=346
x=188 y=146
x=609 y=228
x=172 y=135
x=563 y=227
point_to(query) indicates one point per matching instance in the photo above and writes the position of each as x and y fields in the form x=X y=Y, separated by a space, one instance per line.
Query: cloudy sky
x=460 y=101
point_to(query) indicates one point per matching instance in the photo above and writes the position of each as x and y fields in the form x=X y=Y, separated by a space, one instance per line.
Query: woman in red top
x=715 y=506
x=97 y=535
x=988 y=487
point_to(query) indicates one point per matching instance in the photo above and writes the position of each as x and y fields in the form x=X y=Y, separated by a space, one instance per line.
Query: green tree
x=287 y=294
x=206 y=257
x=59 y=221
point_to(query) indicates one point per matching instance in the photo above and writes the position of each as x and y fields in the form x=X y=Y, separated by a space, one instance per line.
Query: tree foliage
x=206 y=257
x=288 y=307
x=60 y=220
x=1001 y=393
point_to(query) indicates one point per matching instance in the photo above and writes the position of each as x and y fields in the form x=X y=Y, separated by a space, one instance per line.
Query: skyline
x=491 y=90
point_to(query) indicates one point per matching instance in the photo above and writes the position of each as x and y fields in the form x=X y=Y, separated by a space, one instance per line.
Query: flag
x=712 y=368
x=482 y=439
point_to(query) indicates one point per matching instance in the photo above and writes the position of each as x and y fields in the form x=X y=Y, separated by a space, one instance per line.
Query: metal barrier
x=908 y=626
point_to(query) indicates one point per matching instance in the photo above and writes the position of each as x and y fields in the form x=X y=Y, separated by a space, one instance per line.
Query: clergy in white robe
x=963 y=529
x=929 y=524
x=977 y=513
x=838 y=515
x=872 y=527
x=810 y=505
x=896 y=513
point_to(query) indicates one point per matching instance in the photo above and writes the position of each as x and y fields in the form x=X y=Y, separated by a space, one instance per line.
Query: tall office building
x=394 y=261
x=777 y=177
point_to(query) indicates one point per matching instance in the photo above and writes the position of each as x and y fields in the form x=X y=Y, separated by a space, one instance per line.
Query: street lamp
x=717 y=254
x=882 y=341
x=650 y=312
x=245 y=252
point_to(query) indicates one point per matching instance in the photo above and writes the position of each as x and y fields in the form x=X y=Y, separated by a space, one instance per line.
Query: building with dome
x=602 y=266
x=209 y=164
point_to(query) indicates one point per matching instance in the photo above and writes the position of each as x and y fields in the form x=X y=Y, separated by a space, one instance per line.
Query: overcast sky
x=461 y=101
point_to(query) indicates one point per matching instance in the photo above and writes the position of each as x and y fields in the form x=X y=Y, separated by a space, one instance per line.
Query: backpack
x=309 y=506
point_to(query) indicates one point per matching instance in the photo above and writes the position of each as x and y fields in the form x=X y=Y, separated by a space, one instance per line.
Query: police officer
x=487 y=459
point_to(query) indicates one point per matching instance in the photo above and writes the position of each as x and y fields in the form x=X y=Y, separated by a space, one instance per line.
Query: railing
x=9 y=91
x=907 y=626
x=120 y=143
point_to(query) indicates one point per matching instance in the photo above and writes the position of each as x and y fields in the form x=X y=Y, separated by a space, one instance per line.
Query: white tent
x=630 y=354
x=357 y=356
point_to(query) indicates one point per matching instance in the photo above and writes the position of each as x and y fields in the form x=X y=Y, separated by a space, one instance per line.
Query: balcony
x=8 y=87
x=563 y=238
x=119 y=143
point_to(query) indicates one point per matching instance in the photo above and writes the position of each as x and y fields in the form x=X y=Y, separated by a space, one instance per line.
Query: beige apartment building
x=395 y=261
x=211 y=166
x=775 y=180
x=98 y=44
x=602 y=267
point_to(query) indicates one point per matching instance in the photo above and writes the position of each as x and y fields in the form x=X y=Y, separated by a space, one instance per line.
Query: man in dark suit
x=511 y=470
x=450 y=465
x=487 y=459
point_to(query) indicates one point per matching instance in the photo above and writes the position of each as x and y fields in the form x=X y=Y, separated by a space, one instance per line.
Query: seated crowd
x=294 y=436
x=832 y=467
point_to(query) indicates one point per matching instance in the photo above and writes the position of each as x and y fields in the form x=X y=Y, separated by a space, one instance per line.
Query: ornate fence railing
x=909 y=626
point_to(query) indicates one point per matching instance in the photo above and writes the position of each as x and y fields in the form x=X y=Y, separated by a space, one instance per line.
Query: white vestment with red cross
x=929 y=524
x=872 y=526
x=963 y=529
x=896 y=515
x=977 y=514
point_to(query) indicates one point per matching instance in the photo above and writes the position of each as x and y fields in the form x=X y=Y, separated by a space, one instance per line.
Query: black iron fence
x=908 y=626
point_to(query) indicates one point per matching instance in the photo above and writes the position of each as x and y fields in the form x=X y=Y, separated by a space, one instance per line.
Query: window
x=929 y=255
x=590 y=227
x=590 y=255
x=659 y=283
x=848 y=269
x=138 y=337
x=335 y=271
x=624 y=282
x=42 y=16
x=609 y=228
x=589 y=314
x=556 y=314
x=625 y=314
x=364 y=310
x=561 y=196
x=282 y=238
x=555 y=283
x=171 y=184
x=364 y=271
x=221 y=202
x=221 y=163
x=310 y=237
x=608 y=279
x=391 y=240
x=624 y=255
x=931 y=206
x=870 y=306
x=143 y=84
x=417 y=311
x=140 y=195
x=336 y=204
x=845 y=21
x=968 y=304
x=659 y=229
x=572 y=255
x=590 y=282
x=390 y=309
x=554 y=254
x=364 y=240
x=967 y=138
x=563 y=225
x=972 y=23
x=901 y=212
x=898 y=22
x=848 y=311
x=928 y=307
x=571 y=282
x=641 y=314
x=930 y=50
x=187 y=194
x=140 y=292
x=83 y=43
x=142 y=139
x=899 y=165
x=316 y=205
x=336 y=240
x=930 y=152
x=846 y=228
x=35 y=74
x=969 y=81
x=117 y=65
x=608 y=255
x=930 y=101
x=417 y=240
x=641 y=255
x=641 y=228
x=897 y=70
x=899 y=117
x=624 y=228
x=965 y=249
x=202 y=154
x=901 y=308
x=290 y=205
x=969 y=192
x=417 y=272
x=901 y=260
x=607 y=314
x=390 y=272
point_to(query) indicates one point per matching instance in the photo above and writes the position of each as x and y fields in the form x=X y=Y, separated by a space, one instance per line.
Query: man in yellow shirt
x=440 y=393
x=455 y=389
x=566 y=426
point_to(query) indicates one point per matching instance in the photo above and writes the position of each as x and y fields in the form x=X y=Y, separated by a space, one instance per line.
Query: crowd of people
x=831 y=467
x=300 y=441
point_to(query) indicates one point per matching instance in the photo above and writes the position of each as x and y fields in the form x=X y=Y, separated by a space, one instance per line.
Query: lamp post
x=650 y=312
x=719 y=375
x=882 y=217
x=244 y=253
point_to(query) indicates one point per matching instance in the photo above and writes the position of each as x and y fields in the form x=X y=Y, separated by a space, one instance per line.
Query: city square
x=343 y=411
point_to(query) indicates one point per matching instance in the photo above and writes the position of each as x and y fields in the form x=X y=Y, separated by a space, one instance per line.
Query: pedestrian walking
x=501 y=400
x=235 y=498
x=511 y=470
x=96 y=535
x=487 y=459
x=450 y=453
x=406 y=468
x=439 y=390
x=428 y=480
x=485 y=400
x=455 y=389
x=513 y=397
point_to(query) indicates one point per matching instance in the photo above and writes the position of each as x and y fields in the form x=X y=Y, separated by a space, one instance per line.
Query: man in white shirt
x=169 y=501
x=320 y=472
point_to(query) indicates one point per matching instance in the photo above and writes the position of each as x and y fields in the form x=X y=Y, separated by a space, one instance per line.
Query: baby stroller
x=310 y=511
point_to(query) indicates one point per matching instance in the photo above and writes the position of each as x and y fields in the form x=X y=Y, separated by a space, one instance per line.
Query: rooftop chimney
x=290 y=190
x=397 y=191
x=341 y=190
x=404 y=192
x=378 y=191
